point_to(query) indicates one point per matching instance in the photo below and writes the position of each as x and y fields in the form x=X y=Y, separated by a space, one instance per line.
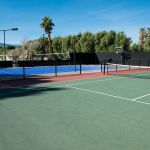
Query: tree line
x=88 y=42
x=104 y=41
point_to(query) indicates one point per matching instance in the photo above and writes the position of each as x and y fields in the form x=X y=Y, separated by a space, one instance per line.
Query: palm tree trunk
x=49 y=40
x=49 y=46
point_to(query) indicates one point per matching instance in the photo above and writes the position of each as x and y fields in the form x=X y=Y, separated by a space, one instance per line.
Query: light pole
x=13 y=29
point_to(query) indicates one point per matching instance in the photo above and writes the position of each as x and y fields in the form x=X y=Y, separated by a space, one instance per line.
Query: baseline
x=106 y=94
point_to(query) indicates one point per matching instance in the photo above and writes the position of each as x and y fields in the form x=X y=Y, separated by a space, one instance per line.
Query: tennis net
x=127 y=70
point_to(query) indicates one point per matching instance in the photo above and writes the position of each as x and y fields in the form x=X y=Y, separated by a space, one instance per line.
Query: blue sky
x=72 y=17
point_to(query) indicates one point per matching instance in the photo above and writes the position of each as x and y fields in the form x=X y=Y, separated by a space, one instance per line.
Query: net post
x=116 y=68
x=105 y=64
x=55 y=69
x=129 y=65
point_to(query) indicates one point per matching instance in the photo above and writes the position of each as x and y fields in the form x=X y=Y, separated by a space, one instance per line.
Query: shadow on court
x=20 y=82
x=27 y=91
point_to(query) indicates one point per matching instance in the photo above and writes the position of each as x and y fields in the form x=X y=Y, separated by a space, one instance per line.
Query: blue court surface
x=47 y=70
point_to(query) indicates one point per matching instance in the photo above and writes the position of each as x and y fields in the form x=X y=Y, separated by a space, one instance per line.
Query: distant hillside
x=2 y=44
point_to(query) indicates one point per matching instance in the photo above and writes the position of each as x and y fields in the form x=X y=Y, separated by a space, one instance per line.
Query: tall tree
x=57 y=44
x=142 y=37
x=77 y=43
x=147 y=40
x=123 y=41
x=44 y=45
x=66 y=43
x=87 y=42
x=47 y=24
x=135 y=47
x=97 y=41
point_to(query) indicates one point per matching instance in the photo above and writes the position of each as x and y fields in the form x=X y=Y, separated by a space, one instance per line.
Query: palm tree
x=47 y=25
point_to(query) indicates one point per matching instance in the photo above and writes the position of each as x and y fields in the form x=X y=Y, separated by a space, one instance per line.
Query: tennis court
x=18 y=72
x=107 y=113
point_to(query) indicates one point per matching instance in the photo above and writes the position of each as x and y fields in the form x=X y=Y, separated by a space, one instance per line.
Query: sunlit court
x=95 y=113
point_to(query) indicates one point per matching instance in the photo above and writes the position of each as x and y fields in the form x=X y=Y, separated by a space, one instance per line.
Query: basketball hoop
x=118 y=50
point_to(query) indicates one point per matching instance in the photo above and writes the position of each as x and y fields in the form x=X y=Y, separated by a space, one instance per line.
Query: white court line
x=80 y=83
x=100 y=93
x=106 y=94
x=141 y=102
x=141 y=97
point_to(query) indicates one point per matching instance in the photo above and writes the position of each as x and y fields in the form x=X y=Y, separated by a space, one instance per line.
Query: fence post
x=104 y=67
x=24 y=74
x=55 y=69
x=101 y=66
x=139 y=64
x=80 y=68
x=148 y=62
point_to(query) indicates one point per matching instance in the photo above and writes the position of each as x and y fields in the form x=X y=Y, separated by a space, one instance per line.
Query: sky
x=72 y=17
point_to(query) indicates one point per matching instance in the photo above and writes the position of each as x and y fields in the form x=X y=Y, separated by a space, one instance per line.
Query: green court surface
x=109 y=113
